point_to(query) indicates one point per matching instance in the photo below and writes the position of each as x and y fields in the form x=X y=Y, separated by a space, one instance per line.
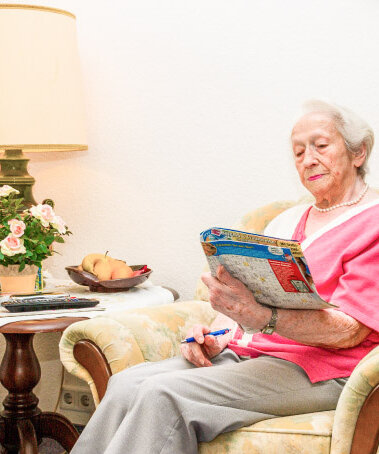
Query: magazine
x=274 y=269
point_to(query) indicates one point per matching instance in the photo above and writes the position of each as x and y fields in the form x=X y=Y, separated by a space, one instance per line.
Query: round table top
x=39 y=326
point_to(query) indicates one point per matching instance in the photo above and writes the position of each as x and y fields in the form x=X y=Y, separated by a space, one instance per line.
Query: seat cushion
x=299 y=434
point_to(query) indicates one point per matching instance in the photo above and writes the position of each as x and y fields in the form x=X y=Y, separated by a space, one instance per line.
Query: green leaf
x=33 y=241
x=41 y=248
x=49 y=239
x=59 y=239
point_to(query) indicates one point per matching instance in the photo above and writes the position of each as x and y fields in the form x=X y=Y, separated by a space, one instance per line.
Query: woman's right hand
x=200 y=352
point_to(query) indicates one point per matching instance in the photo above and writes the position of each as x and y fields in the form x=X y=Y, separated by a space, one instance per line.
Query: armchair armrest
x=356 y=421
x=99 y=340
x=95 y=349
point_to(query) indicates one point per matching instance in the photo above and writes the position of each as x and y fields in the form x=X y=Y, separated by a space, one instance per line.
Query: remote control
x=45 y=296
x=42 y=304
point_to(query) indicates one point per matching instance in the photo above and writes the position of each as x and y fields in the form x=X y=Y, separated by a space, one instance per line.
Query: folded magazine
x=275 y=270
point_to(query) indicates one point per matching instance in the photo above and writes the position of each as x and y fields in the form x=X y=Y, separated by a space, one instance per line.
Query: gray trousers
x=169 y=406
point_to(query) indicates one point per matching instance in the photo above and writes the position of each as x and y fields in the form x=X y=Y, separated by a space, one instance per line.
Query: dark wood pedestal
x=22 y=423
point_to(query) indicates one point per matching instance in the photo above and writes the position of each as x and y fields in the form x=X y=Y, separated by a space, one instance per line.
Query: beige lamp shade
x=41 y=96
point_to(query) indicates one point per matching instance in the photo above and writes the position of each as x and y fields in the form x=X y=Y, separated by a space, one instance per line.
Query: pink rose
x=59 y=224
x=17 y=227
x=44 y=213
x=12 y=245
x=47 y=212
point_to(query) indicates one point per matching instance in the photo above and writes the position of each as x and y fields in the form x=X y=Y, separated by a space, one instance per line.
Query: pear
x=103 y=269
x=118 y=261
x=90 y=260
x=120 y=270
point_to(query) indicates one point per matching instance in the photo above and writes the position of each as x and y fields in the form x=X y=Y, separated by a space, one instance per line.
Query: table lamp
x=41 y=99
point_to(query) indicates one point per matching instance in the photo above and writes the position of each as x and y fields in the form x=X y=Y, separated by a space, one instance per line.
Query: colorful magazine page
x=275 y=270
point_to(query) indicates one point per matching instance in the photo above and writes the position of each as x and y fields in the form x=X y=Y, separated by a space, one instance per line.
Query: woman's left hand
x=232 y=298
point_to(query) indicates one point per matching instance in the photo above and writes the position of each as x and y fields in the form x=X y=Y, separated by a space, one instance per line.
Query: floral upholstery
x=152 y=334
x=133 y=336
x=291 y=434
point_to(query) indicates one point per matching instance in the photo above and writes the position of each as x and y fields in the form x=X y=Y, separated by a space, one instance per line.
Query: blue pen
x=213 y=333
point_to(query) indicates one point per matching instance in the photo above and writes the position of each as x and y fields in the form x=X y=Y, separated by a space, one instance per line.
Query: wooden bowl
x=113 y=285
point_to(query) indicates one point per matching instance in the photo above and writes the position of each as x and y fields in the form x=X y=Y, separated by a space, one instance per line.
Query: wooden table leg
x=22 y=424
x=28 y=438
x=59 y=428
x=19 y=373
x=2 y=435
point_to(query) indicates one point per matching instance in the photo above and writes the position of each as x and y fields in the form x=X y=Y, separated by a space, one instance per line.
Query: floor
x=49 y=446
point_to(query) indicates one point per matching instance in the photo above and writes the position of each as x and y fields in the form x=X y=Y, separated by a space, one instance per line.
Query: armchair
x=95 y=349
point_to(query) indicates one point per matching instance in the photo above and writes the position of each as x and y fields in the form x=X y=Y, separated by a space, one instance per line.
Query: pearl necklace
x=352 y=202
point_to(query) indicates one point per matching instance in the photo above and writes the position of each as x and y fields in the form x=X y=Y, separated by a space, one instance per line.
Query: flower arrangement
x=26 y=236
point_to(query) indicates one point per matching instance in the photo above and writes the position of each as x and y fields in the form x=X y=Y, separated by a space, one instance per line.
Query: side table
x=22 y=423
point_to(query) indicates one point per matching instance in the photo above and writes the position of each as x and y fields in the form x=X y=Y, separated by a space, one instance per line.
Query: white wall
x=190 y=104
x=189 y=109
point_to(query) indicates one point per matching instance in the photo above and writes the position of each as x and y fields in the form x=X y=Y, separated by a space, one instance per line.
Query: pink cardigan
x=344 y=262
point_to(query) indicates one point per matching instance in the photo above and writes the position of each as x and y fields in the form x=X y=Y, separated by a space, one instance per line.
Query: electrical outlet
x=85 y=402
x=75 y=399
x=68 y=399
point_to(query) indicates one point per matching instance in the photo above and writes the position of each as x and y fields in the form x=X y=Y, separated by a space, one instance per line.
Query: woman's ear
x=360 y=157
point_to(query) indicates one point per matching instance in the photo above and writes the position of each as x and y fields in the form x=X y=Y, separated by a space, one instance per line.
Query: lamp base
x=14 y=173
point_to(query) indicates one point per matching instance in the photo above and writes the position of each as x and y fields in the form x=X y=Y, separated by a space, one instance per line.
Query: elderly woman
x=169 y=406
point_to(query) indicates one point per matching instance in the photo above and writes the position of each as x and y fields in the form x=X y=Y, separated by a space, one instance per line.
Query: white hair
x=354 y=130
